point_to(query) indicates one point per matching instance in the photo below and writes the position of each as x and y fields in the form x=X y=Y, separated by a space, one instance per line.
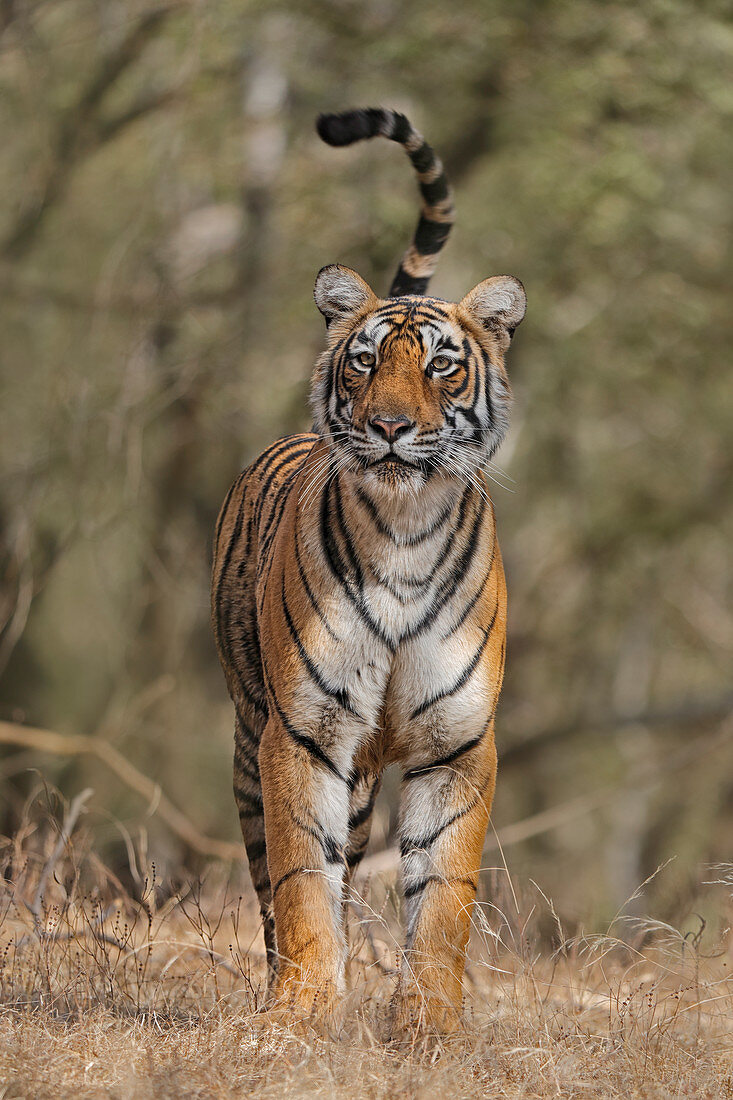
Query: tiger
x=359 y=612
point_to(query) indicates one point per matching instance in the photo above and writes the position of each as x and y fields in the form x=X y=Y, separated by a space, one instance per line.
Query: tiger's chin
x=395 y=475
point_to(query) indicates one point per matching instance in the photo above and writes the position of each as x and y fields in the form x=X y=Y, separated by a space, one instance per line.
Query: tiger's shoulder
x=253 y=495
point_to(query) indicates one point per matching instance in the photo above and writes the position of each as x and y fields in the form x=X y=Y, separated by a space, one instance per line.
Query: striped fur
x=437 y=214
x=359 y=609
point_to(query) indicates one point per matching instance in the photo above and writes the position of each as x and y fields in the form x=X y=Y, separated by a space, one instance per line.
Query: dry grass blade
x=48 y=741
x=140 y=994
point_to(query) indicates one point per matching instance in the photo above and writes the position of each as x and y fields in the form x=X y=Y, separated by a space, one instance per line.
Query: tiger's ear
x=498 y=302
x=339 y=291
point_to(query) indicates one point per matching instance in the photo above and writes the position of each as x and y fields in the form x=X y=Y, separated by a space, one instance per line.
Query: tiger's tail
x=437 y=214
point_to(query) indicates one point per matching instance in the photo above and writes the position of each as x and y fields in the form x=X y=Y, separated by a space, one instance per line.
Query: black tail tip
x=350 y=126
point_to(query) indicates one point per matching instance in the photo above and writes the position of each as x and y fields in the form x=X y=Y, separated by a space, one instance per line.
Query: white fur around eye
x=356 y=364
x=447 y=366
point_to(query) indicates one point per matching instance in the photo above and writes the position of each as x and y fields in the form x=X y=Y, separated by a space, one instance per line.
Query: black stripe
x=422 y=158
x=398 y=540
x=488 y=370
x=275 y=461
x=430 y=236
x=359 y=817
x=306 y=742
x=355 y=855
x=422 y=844
x=335 y=562
x=243 y=731
x=471 y=603
x=280 y=491
x=279 y=447
x=245 y=559
x=407 y=844
x=401 y=130
x=256 y=850
x=254 y=801
x=264 y=489
x=464 y=676
x=330 y=550
x=449 y=587
x=346 y=536
x=347 y=127
x=250 y=644
x=249 y=769
x=442 y=761
x=244 y=760
x=265 y=558
x=276 y=448
x=236 y=532
x=331 y=850
x=290 y=874
x=339 y=694
x=423 y=309
x=223 y=510
x=308 y=590
x=435 y=192
x=418 y=887
x=407 y=284
x=336 y=362
x=411 y=313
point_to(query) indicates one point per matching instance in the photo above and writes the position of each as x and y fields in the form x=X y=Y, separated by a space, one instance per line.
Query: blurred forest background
x=165 y=207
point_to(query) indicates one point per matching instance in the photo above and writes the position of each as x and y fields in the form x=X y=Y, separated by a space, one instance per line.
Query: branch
x=145 y=105
x=75 y=809
x=684 y=713
x=80 y=130
x=130 y=303
x=61 y=744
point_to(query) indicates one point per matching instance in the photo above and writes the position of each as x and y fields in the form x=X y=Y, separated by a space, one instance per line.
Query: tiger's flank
x=359 y=609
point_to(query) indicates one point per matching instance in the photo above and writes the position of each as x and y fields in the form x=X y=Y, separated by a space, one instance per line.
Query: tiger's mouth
x=392 y=471
x=392 y=459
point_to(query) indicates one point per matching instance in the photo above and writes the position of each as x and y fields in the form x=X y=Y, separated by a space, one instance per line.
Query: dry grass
x=144 y=992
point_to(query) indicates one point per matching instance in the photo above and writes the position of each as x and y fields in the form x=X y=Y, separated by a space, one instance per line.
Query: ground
x=148 y=992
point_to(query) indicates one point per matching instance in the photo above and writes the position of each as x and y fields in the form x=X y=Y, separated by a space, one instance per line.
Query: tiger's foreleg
x=444 y=815
x=306 y=803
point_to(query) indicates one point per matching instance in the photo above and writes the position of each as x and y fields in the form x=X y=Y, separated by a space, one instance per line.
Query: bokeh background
x=164 y=207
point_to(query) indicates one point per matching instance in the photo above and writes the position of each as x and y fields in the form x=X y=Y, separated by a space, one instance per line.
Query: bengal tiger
x=359 y=609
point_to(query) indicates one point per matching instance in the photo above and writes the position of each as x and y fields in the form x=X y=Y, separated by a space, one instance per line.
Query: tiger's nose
x=391 y=428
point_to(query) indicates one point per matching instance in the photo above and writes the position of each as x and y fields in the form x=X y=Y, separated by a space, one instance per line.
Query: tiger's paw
x=417 y=1012
x=306 y=1006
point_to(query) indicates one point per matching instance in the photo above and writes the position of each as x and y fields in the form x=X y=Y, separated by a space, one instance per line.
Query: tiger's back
x=249 y=514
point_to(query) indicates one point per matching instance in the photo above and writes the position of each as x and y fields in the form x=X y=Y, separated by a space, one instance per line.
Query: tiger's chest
x=389 y=632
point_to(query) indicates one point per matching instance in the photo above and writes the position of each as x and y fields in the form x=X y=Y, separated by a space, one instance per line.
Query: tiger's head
x=413 y=385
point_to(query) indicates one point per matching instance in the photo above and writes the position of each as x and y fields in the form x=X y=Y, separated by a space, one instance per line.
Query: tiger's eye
x=442 y=364
x=366 y=359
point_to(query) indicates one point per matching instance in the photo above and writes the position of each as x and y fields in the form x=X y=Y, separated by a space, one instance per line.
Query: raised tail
x=437 y=214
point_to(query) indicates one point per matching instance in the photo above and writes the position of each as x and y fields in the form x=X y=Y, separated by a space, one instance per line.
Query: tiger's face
x=411 y=386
